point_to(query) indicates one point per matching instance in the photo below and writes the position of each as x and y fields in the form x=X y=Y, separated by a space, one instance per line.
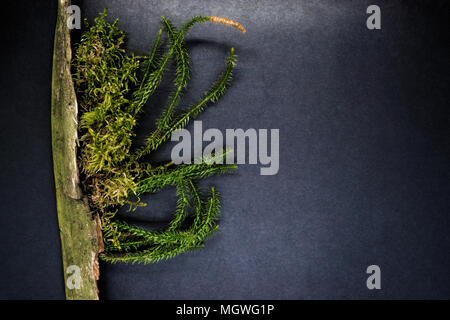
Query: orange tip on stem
x=227 y=22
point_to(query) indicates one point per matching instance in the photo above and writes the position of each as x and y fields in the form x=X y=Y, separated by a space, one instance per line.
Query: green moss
x=112 y=88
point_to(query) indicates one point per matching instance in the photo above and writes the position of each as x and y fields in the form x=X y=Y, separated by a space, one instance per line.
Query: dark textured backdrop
x=364 y=152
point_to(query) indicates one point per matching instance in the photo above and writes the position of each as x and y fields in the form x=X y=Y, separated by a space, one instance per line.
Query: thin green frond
x=166 y=244
x=154 y=79
x=211 y=96
x=183 y=205
x=153 y=255
x=173 y=177
x=153 y=59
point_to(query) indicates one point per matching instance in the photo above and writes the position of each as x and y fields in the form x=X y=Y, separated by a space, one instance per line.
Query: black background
x=364 y=152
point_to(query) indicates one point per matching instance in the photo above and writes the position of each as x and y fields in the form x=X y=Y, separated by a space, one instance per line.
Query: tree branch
x=80 y=231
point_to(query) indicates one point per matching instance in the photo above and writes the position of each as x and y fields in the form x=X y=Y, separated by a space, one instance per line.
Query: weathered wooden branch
x=80 y=231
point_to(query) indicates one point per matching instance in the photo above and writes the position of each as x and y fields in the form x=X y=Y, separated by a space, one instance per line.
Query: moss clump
x=112 y=88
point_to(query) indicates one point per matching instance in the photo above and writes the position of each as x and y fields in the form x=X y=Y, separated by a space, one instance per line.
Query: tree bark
x=80 y=230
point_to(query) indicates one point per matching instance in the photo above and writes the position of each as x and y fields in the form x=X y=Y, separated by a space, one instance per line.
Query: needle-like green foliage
x=113 y=88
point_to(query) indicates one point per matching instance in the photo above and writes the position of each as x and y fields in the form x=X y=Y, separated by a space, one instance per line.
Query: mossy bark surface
x=80 y=231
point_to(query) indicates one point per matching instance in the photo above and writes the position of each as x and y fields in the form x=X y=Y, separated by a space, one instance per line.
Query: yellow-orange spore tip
x=228 y=22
